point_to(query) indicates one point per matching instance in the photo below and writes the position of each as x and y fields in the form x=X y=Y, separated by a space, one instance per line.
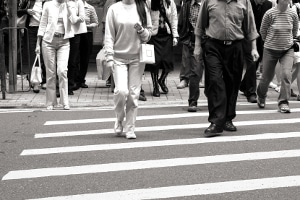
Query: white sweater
x=121 y=38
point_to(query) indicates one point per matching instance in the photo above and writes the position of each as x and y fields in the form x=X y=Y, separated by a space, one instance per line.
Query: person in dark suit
x=220 y=29
x=248 y=84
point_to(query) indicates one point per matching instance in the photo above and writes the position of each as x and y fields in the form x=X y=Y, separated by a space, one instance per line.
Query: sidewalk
x=98 y=95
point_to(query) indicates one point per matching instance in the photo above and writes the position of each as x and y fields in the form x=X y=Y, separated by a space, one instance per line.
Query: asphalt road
x=75 y=155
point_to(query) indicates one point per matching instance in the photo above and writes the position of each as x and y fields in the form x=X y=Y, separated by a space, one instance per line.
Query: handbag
x=36 y=71
x=103 y=71
x=147 y=54
x=21 y=21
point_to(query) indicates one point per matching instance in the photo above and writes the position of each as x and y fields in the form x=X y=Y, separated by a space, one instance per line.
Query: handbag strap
x=37 y=58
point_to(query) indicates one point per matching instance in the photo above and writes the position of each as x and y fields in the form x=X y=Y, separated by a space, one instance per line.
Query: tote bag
x=103 y=71
x=36 y=71
x=147 y=54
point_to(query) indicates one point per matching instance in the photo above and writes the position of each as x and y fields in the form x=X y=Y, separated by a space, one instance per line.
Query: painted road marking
x=148 y=164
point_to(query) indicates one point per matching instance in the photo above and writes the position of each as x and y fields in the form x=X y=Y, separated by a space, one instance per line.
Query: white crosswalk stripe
x=166 y=127
x=125 y=166
x=189 y=190
x=118 y=146
x=55 y=150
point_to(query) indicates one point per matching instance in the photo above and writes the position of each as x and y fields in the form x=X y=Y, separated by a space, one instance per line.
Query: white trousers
x=56 y=56
x=128 y=80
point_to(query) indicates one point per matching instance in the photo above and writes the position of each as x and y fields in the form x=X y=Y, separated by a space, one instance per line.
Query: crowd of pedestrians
x=225 y=43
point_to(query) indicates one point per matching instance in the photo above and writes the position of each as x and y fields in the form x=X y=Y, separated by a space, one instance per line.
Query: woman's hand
x=30 y=12
x=38 y=49
x=175 y=41
x=110 y=63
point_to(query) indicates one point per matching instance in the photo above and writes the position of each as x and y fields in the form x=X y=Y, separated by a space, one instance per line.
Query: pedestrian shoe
x=130 y=135
x=142 y=97
x=298 y=97
x=66 y=107
x=192 y=107
x=83 y=85
x=213 y=130
x=261 y=102
x=44 y=86
x=70 y=92
x=75 y=87
x=272 y=85
x=228 y=126
x=36 y=89
x=252 y=99
x=293 y=94
x=49 y=108
x=284 y=108
x=118 y=128
x=182 y=84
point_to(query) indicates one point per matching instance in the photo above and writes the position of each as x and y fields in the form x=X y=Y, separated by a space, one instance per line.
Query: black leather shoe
x=70 y=92
x=83 y=85
x=213 y=130
x=228 y=126
x=293 y=94
x=75 y=87
x=252 y=99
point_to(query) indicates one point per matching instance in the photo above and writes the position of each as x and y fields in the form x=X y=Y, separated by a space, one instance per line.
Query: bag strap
x=37 y=58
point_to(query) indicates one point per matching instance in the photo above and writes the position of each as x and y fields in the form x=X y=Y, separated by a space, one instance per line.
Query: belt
x=59 y=35
x=225 y=42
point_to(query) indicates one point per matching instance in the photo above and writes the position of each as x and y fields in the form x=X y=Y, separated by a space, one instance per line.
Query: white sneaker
x=182 y=84
x=66 y=107
x=272 y=85
x=49 y=107
x=130 y=135
x=118 y=128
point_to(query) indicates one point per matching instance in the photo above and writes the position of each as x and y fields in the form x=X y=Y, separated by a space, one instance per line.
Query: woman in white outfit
x=54 y=33
x=128 y=24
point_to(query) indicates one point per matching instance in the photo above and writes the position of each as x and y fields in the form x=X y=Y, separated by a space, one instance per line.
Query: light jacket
x=171 y=14
x=49 y=21
x=78 y=26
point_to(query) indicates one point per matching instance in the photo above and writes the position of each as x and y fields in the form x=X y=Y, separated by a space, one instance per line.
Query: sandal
x=284 y=108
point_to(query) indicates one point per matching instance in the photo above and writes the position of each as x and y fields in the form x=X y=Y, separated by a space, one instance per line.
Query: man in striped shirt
x=86 y=43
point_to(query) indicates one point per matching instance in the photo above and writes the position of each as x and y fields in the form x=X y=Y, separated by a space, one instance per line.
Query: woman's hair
x=155 y=4
x=140 y=6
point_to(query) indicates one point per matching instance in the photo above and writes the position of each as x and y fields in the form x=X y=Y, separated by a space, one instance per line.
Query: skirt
x=163 y=48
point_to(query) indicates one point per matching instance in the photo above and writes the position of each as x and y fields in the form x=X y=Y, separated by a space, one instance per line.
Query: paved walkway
x=98 y=95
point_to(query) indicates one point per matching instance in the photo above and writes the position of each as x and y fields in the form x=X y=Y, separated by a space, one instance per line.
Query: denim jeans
x=56 y=55
x=128 y=80
x=270 y=59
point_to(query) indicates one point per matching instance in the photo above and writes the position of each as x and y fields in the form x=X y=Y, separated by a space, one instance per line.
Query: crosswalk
x=167 y=161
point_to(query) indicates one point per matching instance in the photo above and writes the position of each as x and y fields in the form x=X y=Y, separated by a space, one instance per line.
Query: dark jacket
x=185 y=28
x=259 y=13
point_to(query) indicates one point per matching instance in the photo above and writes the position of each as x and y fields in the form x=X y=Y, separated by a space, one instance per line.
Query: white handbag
x=147 y=54
x=36 y=71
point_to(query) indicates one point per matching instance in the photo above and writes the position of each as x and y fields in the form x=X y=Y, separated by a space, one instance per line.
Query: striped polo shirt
x=278 y=28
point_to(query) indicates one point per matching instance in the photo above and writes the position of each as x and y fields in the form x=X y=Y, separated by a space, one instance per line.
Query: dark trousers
x=195 y=74
x=224 y=68
x=73 y=68
x=248 y=85
x=86 y=45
